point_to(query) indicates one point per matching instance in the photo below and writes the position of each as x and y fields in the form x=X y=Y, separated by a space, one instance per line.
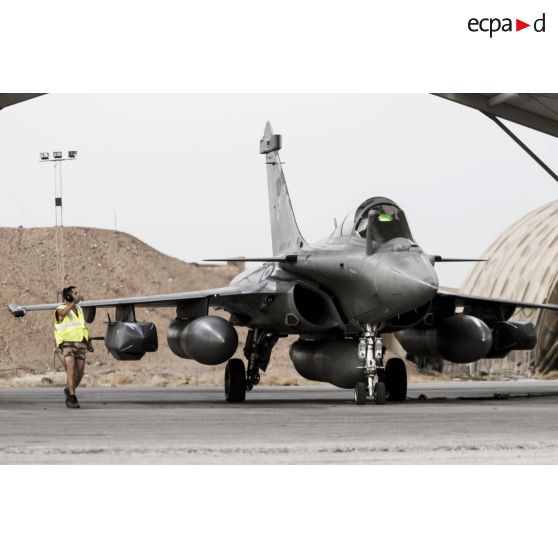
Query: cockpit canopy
x=389 y=221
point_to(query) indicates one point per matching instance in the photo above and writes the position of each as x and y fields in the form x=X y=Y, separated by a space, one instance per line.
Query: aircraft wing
x=227 y=298
x=486 y=304
x=8 y=99
x=538 y=111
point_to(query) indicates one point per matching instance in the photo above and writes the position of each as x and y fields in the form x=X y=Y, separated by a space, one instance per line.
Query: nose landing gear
x=371 y=354
x=379 y=382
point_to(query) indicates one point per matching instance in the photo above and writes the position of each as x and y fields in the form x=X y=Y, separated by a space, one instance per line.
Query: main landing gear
x=235 y=381
x=396 y=379
x=240 y=378
x=380 y=383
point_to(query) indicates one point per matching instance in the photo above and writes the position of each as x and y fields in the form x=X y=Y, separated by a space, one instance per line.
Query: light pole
x=58 y=159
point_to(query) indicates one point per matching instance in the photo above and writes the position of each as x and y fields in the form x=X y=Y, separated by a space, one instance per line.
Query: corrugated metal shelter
x=523 y=265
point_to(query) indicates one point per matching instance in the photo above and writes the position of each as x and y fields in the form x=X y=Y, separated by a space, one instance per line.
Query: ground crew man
x=72 y=339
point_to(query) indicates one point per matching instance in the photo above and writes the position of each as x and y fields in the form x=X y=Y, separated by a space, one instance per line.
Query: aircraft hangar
x=522 y=264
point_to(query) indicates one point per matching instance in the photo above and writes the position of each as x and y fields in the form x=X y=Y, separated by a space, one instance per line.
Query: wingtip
x=16 y=310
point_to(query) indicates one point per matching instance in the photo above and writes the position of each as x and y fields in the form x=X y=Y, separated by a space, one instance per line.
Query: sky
x=183 y=173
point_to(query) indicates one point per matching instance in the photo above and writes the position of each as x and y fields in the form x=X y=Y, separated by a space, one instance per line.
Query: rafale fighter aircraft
x=338 y=295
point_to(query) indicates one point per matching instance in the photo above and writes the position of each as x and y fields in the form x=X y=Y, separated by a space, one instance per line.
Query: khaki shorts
x=76 y=350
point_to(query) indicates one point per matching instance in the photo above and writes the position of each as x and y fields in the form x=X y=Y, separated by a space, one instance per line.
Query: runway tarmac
x=441 y=422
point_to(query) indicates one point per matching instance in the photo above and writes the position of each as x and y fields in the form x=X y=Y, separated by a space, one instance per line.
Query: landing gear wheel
x=396 y=379
x=235 y=381
x=360 y=393
x=380 y=393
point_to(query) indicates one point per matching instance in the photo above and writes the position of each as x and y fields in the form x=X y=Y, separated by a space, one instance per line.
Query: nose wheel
x=371 y=354
x=361 y=391
x=379 y=393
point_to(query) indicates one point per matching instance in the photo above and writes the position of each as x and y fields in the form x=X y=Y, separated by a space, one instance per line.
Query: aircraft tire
x=360 y=393
x=235 y=381
x=380 y=393
x=396 y=380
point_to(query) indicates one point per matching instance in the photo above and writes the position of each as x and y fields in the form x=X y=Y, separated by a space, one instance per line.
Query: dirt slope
x=103 y=263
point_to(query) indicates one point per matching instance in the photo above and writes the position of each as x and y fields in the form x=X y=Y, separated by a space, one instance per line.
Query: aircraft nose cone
x=412 y=288
x=408 y=283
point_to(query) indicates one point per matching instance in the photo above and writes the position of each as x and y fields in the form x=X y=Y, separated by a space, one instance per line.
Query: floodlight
x=57 y=154
x=44 y=156
x=72 y=154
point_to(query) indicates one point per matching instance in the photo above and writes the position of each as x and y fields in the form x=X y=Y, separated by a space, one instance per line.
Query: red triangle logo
x=519 y=25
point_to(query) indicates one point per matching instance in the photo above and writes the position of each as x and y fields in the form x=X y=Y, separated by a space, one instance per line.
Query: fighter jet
x=339 y=296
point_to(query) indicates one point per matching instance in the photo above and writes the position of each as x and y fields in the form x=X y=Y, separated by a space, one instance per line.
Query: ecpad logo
x=492 y=25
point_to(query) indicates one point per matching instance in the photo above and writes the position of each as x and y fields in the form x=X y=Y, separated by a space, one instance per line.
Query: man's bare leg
x=80 y=367
x=71 y=374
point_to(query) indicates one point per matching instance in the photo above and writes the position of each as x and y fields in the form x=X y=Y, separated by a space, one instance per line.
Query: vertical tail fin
x=285 y=236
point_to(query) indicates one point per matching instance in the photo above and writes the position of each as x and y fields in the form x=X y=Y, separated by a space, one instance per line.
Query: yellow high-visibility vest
x=72 y=328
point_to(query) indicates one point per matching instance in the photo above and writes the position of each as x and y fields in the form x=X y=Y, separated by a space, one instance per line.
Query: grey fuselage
x=340 y=285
